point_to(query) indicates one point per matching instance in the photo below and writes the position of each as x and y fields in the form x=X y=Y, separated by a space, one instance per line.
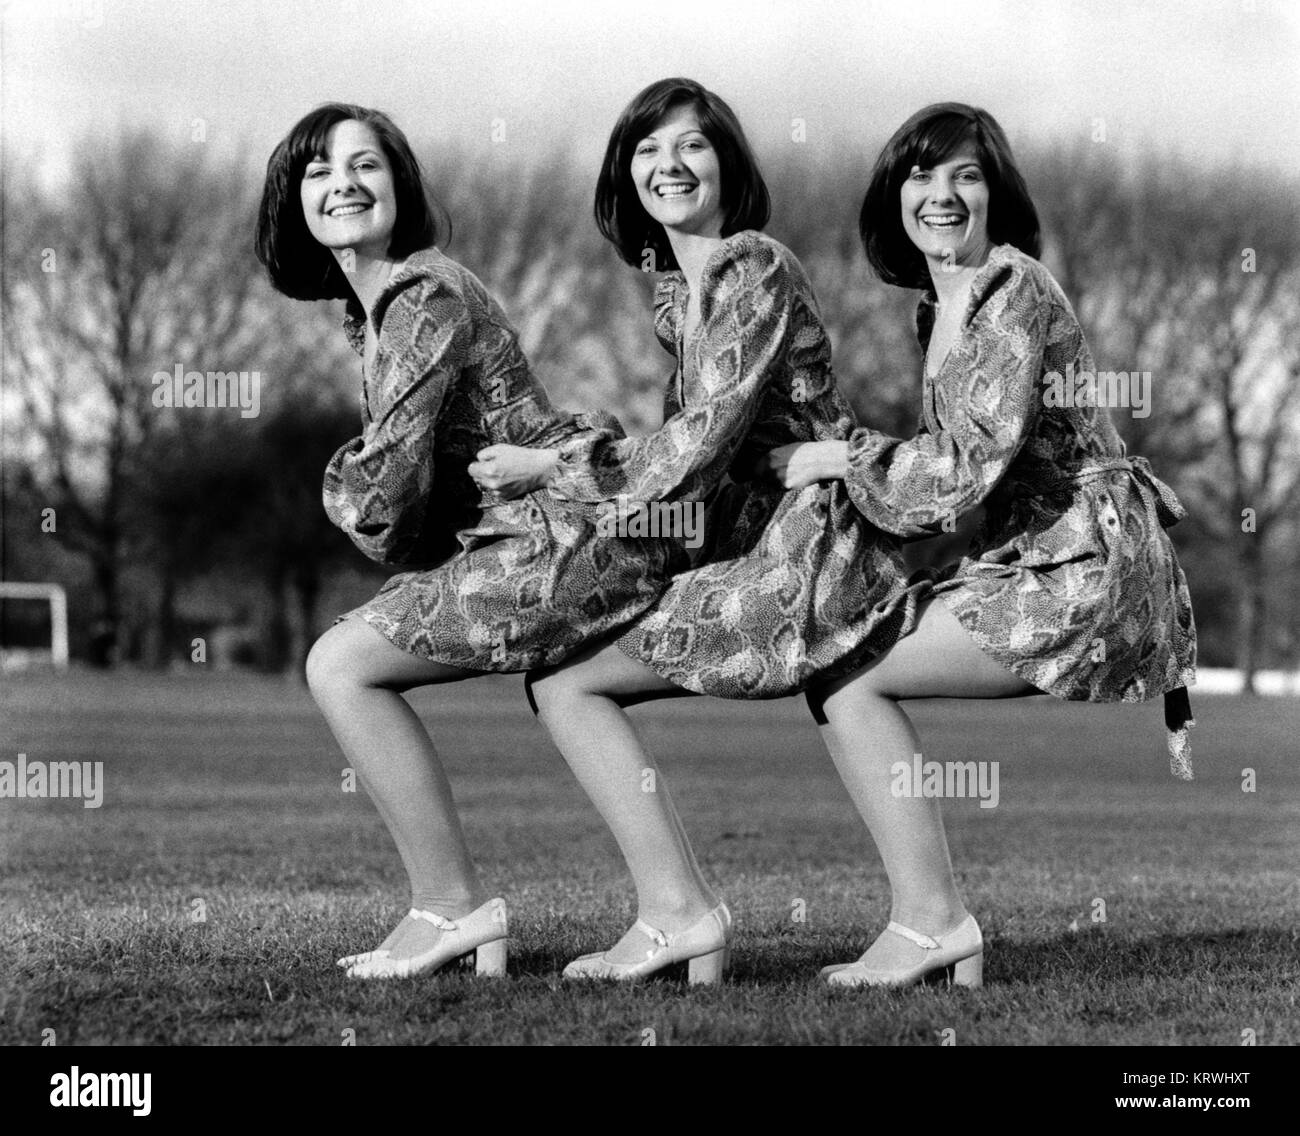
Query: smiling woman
x=344 y=212
x=1070 y=586
x=493 y=585
x=787 y=587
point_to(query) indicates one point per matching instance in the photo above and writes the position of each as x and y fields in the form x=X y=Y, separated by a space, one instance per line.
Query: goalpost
x=57 y=652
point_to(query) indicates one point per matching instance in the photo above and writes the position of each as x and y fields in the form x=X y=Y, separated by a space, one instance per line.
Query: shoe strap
x=652 y=933
x=920 y=940
x=433 y=917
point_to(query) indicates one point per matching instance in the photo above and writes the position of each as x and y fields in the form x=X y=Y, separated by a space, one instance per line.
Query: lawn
x=223 y=799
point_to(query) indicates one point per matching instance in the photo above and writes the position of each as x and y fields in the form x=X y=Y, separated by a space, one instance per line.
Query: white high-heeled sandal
x=959 y=952
x=481 y=933
x=705 y=946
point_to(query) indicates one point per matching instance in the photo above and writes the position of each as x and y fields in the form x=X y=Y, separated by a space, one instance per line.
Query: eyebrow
x=355 y=154
x=690 y=130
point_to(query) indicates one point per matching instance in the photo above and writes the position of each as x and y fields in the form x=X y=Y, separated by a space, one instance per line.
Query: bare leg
x=356 y=677
x=866 y=732
x=579 y=703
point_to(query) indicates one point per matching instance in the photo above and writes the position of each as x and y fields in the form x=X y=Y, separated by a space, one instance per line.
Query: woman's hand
x=803 y=463
x=512 y=471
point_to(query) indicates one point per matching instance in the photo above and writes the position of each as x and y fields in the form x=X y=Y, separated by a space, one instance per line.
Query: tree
x=138 y=267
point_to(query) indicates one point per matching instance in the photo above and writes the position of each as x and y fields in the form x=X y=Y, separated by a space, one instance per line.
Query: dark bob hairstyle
x=301 y=267
x=931 y=136
x=619 y=213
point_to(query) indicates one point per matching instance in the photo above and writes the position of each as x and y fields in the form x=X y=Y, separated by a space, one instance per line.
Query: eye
x=315 y=171
x=645 y=148
x=971 y=175
x=919 y=175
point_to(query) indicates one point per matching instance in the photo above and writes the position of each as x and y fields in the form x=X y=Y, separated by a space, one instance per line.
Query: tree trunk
x=278 y=634
x=1250 y=614
x=306 y=583
x=162 y=641
x=106 y=631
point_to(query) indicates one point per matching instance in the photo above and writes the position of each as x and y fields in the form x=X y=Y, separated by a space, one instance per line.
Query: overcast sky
x=1218 y=79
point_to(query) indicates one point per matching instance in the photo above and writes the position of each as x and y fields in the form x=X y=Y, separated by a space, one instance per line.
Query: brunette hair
x=619 y=213
x=301 y=267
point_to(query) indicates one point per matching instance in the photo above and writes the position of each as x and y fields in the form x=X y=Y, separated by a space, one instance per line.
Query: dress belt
x=1169 y=510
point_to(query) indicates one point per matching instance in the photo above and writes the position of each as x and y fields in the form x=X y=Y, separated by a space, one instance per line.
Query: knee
x=327 y=662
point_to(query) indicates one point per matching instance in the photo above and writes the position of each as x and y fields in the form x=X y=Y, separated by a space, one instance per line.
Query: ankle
x=676 y=913
x=453 y=906
x=929 y=917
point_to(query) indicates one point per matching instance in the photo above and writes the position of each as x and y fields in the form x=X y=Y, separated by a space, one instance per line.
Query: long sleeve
x=748 y=300
x=987 y=398
x=377 y=487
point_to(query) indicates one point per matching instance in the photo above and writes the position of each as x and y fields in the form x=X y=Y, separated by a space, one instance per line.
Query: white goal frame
x=57 y=598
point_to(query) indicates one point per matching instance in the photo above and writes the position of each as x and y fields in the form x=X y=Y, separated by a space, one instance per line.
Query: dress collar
x=999 y=257
x=354 y=317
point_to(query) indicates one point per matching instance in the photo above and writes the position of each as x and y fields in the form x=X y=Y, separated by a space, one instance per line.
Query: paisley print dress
x=788 y=587
x=1070 y=581
x=493 y=585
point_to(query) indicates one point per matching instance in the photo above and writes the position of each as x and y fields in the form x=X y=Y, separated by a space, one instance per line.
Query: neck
x=952 y=280
x=692 y=250
x=367 y=276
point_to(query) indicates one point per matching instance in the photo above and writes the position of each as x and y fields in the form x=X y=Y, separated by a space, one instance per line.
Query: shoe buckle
x=439 y=921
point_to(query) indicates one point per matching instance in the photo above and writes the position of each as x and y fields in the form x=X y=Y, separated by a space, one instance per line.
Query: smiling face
x=677 y=175
x=946 y=209
x=348 y=194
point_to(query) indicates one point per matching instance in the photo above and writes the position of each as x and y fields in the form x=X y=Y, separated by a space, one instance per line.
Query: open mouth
x=943 y=222
x=674 y=189
x=349 y=210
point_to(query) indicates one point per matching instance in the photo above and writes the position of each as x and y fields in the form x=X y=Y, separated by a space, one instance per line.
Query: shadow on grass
x=1099 y=954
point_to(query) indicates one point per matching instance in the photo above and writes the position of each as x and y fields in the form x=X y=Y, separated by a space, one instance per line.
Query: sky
x=1216 y=80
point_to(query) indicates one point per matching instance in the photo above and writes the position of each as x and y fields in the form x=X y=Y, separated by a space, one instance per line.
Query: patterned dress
x=788 y=587
x=1071 y=581
x=500 y=585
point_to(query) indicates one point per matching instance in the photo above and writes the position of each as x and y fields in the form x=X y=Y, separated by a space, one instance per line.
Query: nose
x=343 y=182
x=670 y=161
x=942 y=188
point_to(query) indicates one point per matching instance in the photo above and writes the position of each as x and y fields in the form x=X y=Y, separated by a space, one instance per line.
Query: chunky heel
x=707 y=970
x=490 y=959
x=969 y=971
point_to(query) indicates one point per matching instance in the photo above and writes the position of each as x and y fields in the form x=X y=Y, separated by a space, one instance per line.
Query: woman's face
x=348 y=196
x=946 y=209
x=677 y=176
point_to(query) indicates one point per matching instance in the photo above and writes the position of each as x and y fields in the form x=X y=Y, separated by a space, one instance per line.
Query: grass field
x=227 y=789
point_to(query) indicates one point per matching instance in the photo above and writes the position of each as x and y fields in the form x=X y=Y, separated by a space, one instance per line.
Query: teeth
x=674 y=190
x=347 y=210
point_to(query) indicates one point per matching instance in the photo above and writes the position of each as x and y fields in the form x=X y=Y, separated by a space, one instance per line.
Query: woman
x=1070 y=586
x=493 y=585
x=788 y=586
